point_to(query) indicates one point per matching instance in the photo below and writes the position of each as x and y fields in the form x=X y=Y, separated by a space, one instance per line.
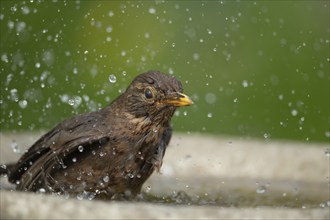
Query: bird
x=109 y=152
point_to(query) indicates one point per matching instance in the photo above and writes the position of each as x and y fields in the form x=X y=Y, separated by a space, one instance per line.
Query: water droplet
x=261 y=189
x=38 y=65
x=80 y=148
x=108 y=29
x=102 y=154
x=322 y=205
x=80 y=196
x=280 y=97
x=245 y=83
x=327 y=152
x=185 y=113
x=294 y=112
x=266 y=135
x=14 y=146
x=148 y=189
x=210 y=98
x=74 y=159
x=71 y=102
x=111 y=13
x=328 y=203
x=196 y=56
x=91 y=196
x=209 y=115
x=106 y=179
x=112 y=78
x=235 y=100
x=41 y=190
x=22 y=104
x=14 y=95
x=138 y=176
x=152 y=10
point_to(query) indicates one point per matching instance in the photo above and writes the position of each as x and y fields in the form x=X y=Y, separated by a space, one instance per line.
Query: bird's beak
x=177 y=99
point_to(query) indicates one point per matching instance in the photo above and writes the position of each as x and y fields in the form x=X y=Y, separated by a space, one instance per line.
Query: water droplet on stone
x=266 y=135
x=112 y=78
x=261 y=189
x=14 y=146
x=327 y=152
x=41 y=190
x=80 y=196
x=148 y=189
x=74 y=159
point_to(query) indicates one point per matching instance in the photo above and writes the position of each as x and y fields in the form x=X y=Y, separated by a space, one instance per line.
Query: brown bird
x=112 y=151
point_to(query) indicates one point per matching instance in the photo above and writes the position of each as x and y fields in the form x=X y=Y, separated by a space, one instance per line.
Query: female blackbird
x=112 y=151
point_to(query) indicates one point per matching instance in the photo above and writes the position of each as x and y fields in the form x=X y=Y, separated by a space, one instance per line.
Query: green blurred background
x=253 y=68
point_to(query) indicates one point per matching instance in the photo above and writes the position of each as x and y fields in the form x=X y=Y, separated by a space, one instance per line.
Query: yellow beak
x=178 y=99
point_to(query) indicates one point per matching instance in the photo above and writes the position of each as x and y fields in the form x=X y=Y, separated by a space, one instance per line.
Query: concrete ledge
x=213 y=177
x=16 y=205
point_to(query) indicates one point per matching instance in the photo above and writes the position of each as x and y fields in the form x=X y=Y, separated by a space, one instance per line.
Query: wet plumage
x=112 y=151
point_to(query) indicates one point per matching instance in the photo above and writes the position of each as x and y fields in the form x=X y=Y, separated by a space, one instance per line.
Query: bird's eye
x=148 y=94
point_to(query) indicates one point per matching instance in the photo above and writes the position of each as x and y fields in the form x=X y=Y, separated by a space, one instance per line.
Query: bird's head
x=155 y=95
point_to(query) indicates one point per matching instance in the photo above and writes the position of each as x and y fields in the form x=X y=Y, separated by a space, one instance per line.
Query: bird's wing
x=157 y=158
x=48 y=152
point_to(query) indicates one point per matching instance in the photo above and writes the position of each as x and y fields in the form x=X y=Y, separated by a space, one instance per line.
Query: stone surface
x=232 y=178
